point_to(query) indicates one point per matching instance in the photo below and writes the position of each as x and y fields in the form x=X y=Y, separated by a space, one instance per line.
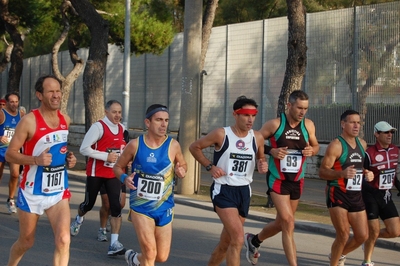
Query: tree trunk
x=93 y=75
x=76 y=61
x=208 y=20
x=297 y=52
x=17 y=56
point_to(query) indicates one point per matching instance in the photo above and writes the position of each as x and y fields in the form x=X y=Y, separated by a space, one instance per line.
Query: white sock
x=114 y=237
x=79 y=219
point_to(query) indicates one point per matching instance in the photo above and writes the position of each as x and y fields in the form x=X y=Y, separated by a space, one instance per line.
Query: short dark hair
x=298 y=94
x=12 y=93
x=154 y=108
x=346 y=113
x=39 y=82
x=242 y=101
x=111 y=102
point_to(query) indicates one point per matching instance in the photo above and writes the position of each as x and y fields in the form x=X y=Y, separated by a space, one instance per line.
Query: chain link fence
x=351 y=53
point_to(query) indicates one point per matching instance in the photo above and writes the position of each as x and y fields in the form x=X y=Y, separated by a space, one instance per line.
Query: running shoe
x=367 y=264
x=12 y=208
x=75 y=226
x=252 y=254
x=341 y=260
x=115 y=249
x=129 y=256
x=102 y=235
x=108 y=225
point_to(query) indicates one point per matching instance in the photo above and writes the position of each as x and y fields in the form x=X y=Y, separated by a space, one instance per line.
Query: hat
x=383 y=126
x=3 y=101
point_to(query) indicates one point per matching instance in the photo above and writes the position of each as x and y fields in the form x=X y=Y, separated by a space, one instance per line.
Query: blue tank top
x=154 y=178
x=7 y=128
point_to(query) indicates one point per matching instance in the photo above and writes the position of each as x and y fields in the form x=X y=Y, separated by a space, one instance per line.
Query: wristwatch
x=208 y=167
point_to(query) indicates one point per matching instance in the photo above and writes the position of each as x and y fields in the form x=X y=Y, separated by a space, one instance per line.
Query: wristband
x=123 y=177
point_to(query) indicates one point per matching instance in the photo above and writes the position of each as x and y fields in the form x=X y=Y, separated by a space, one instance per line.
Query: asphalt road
x=196 y=232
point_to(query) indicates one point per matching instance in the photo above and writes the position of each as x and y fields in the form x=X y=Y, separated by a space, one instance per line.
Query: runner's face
x=51 y=95
x=12 y=103
x=245 y=121
x=298 y=109
x=384 y=138
x=351 y=126
x=114 y=114
x=158 y=123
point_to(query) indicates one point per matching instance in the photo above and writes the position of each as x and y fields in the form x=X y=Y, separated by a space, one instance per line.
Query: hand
x=349 y=172
x=129 y=181
x=112 y=157
x=368 y=175
x=71 y=159
x=45 y=158
x=262 y=166
x=4 y=140
x=179 y=171
x=279 y=153
x=217 y=172
x=308 y=150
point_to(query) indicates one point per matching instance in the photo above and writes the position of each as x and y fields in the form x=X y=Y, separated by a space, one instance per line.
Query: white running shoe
x=12 y=208
x=115 y=249
x=102 y=235
x=252 y=253
x=367 y=264
x=129 y=256
x=75 y=227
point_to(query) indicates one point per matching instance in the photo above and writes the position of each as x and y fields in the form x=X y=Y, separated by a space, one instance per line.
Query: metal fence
x=345 y=48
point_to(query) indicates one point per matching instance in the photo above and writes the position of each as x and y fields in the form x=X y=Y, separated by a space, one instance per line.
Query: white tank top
x=237 y=157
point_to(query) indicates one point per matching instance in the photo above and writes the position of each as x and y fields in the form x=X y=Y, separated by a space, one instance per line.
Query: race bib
x=53 y=179
x=110 y=150
x=292 y=162
x=9 y=133
x=386 y=178
x=150 y=187
x=354 y=183
x=239 y=163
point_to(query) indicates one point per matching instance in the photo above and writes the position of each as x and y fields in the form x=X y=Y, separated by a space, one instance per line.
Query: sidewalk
x=78 y=174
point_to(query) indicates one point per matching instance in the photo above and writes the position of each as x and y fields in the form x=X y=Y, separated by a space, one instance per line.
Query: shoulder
x=309 y=123
x=269 y=127
x=66 y=117
x=363 y=143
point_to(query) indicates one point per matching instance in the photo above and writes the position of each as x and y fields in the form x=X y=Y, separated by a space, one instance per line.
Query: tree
x=73 y=75
x=93 y=75
x=297 y=52
x=11 y=23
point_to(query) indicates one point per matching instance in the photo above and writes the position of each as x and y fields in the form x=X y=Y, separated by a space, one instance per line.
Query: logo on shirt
x=241 y=145
x=379 y=158
x=355 y=158
x=292 y=134
x=151 y=158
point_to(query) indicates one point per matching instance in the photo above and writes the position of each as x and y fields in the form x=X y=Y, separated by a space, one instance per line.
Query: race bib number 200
x=150 y=187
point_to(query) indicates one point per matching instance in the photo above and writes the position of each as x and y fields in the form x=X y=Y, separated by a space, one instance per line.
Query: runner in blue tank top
x=156 y=158
x=9 y=118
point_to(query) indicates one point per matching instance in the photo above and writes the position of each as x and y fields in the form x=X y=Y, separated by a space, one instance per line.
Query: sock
x=102 y=229
x=255 y=241
x=79 y=219
x=114 y=237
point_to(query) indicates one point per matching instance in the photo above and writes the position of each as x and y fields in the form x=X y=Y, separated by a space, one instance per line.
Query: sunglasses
x=386 y=132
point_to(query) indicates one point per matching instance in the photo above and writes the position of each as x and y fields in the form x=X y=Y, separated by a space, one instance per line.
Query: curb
x=308 y=226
